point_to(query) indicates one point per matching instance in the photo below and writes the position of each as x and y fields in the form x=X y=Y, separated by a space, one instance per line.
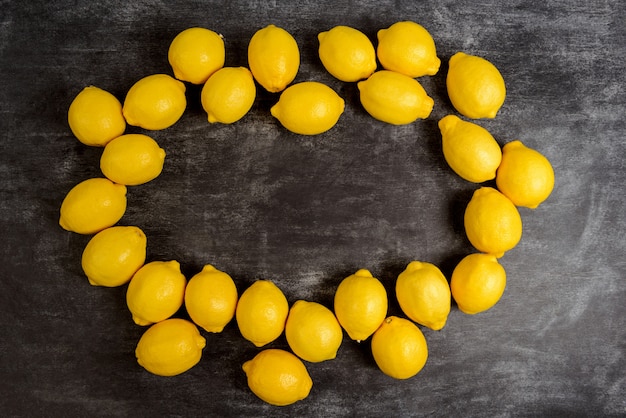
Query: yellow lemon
x=195 y=54
x=228 y=94
x=155 y=292
x=525 y=175
x=408 y=48
x=469 y=149
x=93 y=205
x=347 y=53
x=113 y=255
x=478 y=282
x=273 y=58
x=170 y=347
x=261 y=312
x=424 y=294
x=132 y=159
x=211 y=298
x=360 y=304
x=475 y=86
x=492 y=222
x=313 y=332
x=155 y=102
x=308 y=108
x=278 y=377
x=95 y=117
x=394 y=98
x=399 y=348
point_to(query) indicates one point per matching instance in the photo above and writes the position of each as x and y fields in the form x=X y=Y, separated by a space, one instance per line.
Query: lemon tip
x=140 y=321
x=200 y=342
x=92 y=282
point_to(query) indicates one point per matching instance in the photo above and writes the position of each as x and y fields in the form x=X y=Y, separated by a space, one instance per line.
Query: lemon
x=308 y=108
x=228 y=94
x=278 y=377
x=261 y=312
x=525 y=175
x=273 y=58
x=95 y=117
x=492 y=222
x=478 y=282
x=469 y=149
x=93 y=205
x=399 y=348
x=155 y=292
x=347 y=53
x=113 y=255
x=424 y=294
x=132 y=159
x=394 y=98
x=155 y=102
x=211 y=298
x=170 y=347
x=360 y=304
x=313 y=332
x=195 y=54
x=475 y=86
x=408 y=48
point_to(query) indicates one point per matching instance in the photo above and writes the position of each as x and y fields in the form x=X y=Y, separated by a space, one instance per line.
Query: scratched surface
x=259 y=202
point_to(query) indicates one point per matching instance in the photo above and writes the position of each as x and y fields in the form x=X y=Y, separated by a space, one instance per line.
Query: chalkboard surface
x=262 y=203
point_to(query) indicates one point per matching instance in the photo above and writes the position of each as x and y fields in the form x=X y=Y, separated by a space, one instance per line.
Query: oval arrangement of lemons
x=158 y=292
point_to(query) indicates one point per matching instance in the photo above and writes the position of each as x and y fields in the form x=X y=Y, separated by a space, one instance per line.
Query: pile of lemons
x=116 y=255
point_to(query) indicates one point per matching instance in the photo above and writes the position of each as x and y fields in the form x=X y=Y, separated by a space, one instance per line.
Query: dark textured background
x=259 y=202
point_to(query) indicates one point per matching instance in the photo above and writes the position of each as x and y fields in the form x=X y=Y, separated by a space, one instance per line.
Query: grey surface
x=259 y=202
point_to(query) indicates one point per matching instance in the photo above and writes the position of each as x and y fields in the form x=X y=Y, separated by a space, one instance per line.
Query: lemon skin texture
x=273 y=58
x=155 y=102
x=113 y=255
x=475 y=86
x=228 y=95
x=408 y=48
x=394 y=98
x=424 y=294
x=347 y=53
x=93 y=205
x=211 y=298
x=278 y=377
x=95 y=117
x=360 y=304
x=525 y=175
x=170 y=347
x=477 y=283
x=196 y=53
x=132 y=159
x=156 y=292
x=399 y=348
x=313 y=332
x=261 y=312
x=308 y=108
x=492 y=222
x=469 y=149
